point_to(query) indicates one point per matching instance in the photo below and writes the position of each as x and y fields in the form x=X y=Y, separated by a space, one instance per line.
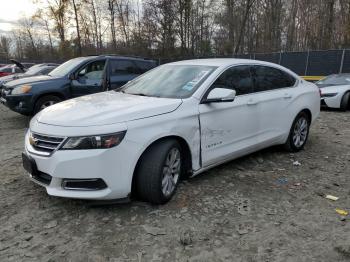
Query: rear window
x=269 y=78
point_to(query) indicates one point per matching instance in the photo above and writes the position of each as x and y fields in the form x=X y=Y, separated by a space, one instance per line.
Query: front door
x=229 y=129
x=89 y=79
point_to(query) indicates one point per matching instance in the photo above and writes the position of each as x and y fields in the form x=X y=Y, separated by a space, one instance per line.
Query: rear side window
x=18 y=70
x=144 y=66
x=237 y=78
x=123 y=67
x=269 y=78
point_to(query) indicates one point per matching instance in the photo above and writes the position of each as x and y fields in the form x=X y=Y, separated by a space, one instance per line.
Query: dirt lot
x=264 y=207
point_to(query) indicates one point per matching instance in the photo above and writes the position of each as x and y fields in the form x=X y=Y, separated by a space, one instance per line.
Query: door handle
x=287 y=96
x=252 y=102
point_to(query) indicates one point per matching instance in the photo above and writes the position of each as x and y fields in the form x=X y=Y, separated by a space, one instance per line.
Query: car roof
x=123 y=57
x=220 y=62
x=225 y=62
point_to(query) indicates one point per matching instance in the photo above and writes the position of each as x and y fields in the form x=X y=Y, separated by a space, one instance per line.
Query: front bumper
x=114 y=166
x=19 y=103
x=331 y=102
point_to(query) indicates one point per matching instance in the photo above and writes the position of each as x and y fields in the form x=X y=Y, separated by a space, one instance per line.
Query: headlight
x=21 y=89
x=93 y=142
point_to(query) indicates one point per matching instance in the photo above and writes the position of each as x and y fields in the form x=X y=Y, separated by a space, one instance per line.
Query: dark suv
x=76 y=77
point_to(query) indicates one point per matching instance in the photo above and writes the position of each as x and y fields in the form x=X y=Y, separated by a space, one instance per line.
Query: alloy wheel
x=171 y=171
x=300 y=132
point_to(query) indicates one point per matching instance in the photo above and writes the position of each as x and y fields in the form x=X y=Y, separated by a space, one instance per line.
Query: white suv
x=177 y=120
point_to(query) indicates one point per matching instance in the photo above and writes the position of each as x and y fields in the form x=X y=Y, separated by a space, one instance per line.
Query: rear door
x=89 y=79
x=121 y=71
x=275 y=91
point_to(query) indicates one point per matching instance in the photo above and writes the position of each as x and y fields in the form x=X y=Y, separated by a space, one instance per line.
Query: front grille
x=45 y=144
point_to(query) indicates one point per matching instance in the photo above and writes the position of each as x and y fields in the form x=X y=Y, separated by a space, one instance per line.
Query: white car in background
x=176 y=120
x=335 y=91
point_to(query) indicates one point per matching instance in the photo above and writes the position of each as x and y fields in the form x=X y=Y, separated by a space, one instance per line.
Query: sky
x=12 y=10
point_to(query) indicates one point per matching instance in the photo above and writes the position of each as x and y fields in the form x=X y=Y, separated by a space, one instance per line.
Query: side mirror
x=72 y=77
x=219 y=95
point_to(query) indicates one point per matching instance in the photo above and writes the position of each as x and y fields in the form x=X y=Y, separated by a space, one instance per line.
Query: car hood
x=334 y=89
x=29 y=80
x=105 y=108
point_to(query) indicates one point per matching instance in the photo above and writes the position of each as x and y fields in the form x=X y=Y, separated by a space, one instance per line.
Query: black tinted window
x=144 y=66
x=122 y=67
x=268 y=78
x=237 y=78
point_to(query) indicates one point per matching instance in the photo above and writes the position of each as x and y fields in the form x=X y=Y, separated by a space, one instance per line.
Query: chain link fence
x=309 y=63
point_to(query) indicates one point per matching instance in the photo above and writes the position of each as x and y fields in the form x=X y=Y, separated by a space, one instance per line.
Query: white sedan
x=177 y=120
x=335 y=91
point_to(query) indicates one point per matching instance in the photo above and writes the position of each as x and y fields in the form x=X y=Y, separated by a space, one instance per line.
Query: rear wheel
x=345 y=101
x=158 y=172
x=298 y=133
x=46 y=101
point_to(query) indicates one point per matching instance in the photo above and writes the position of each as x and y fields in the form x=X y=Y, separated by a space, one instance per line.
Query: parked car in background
x=39 y=69
x=14 y=68
x=10 y=69
x=178 y=119
x=76 y=77
x=335 y=91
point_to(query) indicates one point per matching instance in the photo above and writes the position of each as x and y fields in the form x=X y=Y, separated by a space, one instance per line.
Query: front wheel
x=158 y=172
x=345 y=102
x=46 y=101
x=298 y=133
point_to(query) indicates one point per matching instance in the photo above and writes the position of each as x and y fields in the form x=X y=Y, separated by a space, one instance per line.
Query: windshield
x=335 y=80
x=169 y=81
x=66 y=67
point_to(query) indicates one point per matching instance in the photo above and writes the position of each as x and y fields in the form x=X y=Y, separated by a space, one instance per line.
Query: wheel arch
x=307 y=111
x=184 y=146
x=58 y=94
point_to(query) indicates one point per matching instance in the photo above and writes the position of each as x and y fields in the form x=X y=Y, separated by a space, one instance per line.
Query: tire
x=152 y=172
x=45 y=101
x=293 y=144
x=345 y=101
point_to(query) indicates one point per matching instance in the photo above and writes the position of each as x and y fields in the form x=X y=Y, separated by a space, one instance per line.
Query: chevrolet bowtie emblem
x=33 y=141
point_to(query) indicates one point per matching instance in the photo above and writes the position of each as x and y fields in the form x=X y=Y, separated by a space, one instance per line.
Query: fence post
x=342 y=62
x=280 y=59
x=307 y=62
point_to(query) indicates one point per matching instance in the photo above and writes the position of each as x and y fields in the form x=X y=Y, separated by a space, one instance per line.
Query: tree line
x=170 y=29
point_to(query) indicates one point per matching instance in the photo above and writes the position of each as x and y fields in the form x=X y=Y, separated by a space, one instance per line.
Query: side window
x=18 y=70
x=268 y=78
x=122 y=67
x=237 y=78
x=144 y=66
x=92 y=71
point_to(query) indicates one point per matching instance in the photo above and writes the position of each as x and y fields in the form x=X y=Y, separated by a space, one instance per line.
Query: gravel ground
x=269 y=206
